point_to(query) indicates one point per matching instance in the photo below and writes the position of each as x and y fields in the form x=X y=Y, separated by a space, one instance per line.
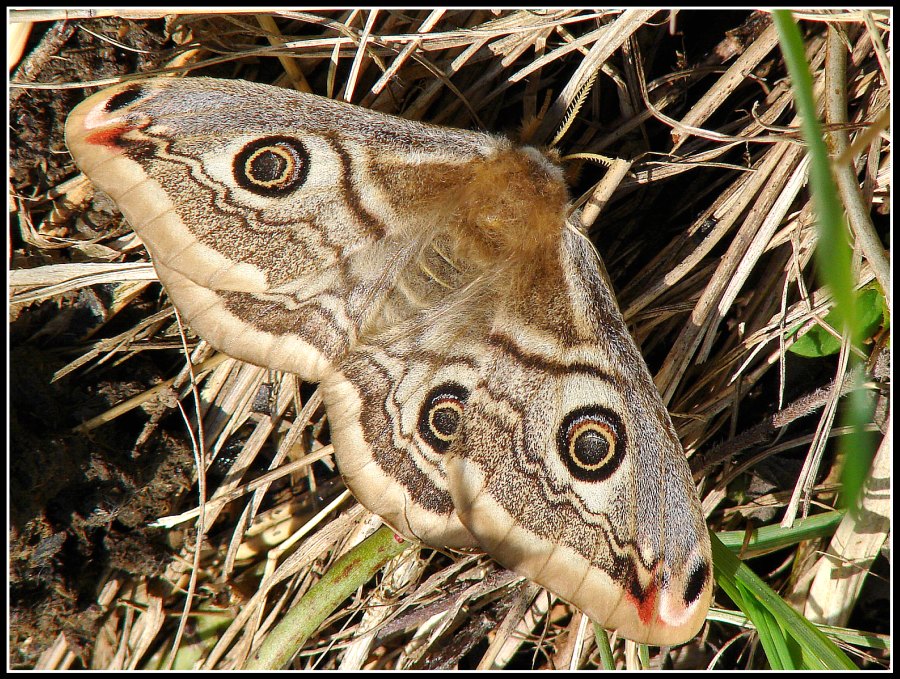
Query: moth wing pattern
x=481 y=385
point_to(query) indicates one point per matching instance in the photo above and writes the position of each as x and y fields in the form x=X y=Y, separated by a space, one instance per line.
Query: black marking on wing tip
x=635 y=589
x=123 y=98
x=696 y=583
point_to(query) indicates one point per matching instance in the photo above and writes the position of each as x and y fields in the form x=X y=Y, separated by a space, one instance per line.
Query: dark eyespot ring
x=441 y=414
x=123 y=98
x=591 y=442
x=272 y=166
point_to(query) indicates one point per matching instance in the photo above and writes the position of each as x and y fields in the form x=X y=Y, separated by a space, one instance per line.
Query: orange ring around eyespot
x=290 y=163
x=592 y=425
x=448 y=403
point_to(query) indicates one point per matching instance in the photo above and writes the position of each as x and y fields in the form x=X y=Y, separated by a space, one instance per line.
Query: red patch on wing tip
x=646 y=605
x=109 y=136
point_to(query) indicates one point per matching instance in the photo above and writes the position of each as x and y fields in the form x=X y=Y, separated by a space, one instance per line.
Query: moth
x=482 y=388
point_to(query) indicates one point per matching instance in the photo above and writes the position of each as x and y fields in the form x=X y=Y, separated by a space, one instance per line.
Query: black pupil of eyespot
x=268 y=166
x=445 y=420
x=591 y=447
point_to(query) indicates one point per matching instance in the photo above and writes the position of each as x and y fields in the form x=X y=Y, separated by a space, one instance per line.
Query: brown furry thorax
x=509 y=208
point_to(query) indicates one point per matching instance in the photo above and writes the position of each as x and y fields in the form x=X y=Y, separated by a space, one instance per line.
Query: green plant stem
x=345 y=576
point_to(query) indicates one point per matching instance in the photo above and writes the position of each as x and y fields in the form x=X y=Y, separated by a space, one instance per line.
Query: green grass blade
x=765 y=608
x=607 y=662
x=768 y=538
x=833 y=250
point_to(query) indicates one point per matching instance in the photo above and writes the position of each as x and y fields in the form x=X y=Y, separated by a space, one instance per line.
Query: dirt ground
x=79 y=503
